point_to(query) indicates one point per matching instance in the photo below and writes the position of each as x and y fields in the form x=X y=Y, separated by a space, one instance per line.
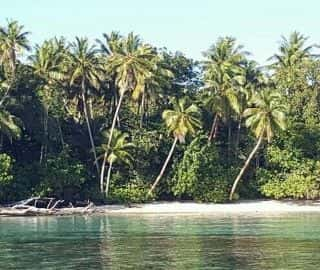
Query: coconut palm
x=118 y=152
x=240 y=95
x=85 y=70
x=292 y=51
x=289 y=64
x=265 y=118
x=223 y=70
x=48 y=63
x=183 y=119
x=152 y=87
x=131 y=62
x=13 y=40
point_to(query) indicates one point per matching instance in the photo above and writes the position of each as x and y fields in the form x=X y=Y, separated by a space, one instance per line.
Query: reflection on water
x=161 y=242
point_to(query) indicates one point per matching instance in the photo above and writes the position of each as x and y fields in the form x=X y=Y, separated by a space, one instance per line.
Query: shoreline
x=250 y=207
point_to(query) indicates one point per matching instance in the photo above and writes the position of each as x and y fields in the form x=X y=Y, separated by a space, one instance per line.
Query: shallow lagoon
x=286 y=241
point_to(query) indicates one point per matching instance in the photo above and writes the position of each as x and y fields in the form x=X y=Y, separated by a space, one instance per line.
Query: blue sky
x=189 y=26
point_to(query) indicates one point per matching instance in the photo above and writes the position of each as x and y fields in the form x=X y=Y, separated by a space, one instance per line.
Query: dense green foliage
x=177 y=128
x=201 y=175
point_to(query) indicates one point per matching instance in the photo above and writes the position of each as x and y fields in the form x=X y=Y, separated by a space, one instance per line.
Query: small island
x=159 y=135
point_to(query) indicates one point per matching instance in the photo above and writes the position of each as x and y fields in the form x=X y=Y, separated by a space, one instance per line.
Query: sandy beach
x=240 y=207
x=253 y=207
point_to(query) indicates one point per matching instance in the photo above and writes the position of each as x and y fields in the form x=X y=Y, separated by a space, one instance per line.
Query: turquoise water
x=161 y=242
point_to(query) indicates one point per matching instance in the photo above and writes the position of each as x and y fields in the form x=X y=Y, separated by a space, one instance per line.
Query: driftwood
x=49 y=206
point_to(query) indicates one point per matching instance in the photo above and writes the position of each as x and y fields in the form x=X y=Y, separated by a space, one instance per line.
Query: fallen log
x=34 y=211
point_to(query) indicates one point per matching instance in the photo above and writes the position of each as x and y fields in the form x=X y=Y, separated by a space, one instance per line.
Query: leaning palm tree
x=131 y=62
x=118 y=151
x=265 y=118
x=85 y=70
x=180 y=121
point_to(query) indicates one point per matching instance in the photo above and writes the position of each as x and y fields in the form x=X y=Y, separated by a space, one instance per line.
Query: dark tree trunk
x=164 y=166
x=246 y=164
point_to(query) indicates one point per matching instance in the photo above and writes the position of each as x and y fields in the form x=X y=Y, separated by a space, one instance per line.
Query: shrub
x=62 y=177
x=134 y=191
x=5 y=169
x=6 y=177
x=200 y=175
x=289 y=175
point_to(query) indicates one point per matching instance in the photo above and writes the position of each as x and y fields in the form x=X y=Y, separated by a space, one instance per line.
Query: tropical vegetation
x=117 y=119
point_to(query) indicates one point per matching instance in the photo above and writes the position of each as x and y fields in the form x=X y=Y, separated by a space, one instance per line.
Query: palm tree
x=180 y=121
x=132 y=62
x=13 y=40
x=223 y=70
x=48 y=63
x=85 y=70
x=290 y=62
x=265 y=118
x=292 y=51
x=151 y=88
x=118 y=151
x=239 y=96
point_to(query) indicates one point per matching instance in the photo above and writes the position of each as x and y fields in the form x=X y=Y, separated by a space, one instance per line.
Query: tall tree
x=290 y=62
x=182 y=120
x=222 y=70
x=132 y=62
x=13 y=41
x=85 y=70
x=48 y=62
x=265 y=118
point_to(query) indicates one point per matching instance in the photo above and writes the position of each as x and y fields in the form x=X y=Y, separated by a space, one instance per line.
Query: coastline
x=250 y=207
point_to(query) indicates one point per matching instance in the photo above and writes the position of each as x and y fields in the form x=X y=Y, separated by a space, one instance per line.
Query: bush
x=289 y=175
x=200 y=175
x=135 y=191
x=6 y=177
x=62 y=177
x=5 y=169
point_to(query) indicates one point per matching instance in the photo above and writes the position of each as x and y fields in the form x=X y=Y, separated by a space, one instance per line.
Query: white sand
x=240 y=207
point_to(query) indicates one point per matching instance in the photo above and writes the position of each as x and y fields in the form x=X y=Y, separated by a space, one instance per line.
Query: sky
x=189 y=26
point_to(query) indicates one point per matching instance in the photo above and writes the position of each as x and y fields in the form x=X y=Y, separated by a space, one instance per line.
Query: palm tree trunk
x=238 y=136
x=108 y=178
x=116 y=105
x=60 y=133
x=213 y=128
x=216 y=129
x=115 y=119
x=246 y=164
x=44 y=145
x=164 y=166
x=142 y=109
x=102 y=171
x=229 y=142
x=109 y=141
x=89 y=127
